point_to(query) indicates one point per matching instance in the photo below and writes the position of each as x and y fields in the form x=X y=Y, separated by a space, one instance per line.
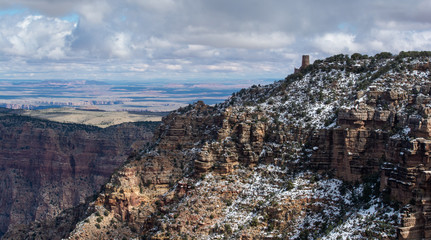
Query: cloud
x=396 y=40
x=139 y=68
x=197 y=38
x=335 y=43
x=230 y=67
x=35 y=36
x=120 y=45
x=249 y=40
x=94 y=12
x=173 y=67
x=196 y=51
x=155 y=5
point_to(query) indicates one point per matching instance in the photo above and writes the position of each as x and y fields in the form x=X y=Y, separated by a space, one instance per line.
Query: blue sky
x=197 y=39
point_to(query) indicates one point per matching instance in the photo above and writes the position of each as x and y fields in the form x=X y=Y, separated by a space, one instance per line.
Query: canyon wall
x=47 y=167
x=390 y=143
x=343 y=142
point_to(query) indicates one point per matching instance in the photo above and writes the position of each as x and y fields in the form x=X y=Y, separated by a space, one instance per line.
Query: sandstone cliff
x=339 y=149
x=47 y=167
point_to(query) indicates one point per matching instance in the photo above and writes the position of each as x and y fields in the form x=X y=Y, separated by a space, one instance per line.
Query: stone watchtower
x=305 y=61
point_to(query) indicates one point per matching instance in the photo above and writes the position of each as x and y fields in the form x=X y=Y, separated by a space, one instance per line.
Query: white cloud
x=233 y=67
x=120 y=45
x=139 y=68
x=155 y=5
x=192 y=37
x=196 y=51
x=174 y=67
x=155 y=42
x=335 y=43
x=248 y=40
x=94 y=12
x=35 y=36
x=395 y=41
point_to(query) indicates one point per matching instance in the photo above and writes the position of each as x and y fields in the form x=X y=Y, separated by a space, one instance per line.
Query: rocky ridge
x=338 y=149
x=47 y=167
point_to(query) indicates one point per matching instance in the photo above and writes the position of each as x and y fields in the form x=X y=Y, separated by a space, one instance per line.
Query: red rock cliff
x=47 y=167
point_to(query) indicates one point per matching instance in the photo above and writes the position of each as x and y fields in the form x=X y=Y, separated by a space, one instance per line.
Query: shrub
x=289 y=185
x=254 y=222
x=356 y=56
x=270 y=227
x=227 y=228
x=383 y=55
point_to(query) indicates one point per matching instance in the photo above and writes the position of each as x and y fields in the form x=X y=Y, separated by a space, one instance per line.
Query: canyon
x=339 y=149
x=47 y=167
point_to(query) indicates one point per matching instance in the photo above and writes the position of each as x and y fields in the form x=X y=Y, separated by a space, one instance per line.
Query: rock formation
x=47 y=167
x=339 y=149
x=374 y=135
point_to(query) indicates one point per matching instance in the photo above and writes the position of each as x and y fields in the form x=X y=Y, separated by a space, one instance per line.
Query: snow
x=265 y=184
x=377 y=219
x=312 y=102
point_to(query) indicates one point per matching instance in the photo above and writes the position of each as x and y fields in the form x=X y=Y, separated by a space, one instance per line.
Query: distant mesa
x=305 y=63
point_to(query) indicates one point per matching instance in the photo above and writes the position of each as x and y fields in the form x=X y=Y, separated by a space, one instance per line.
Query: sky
x=208 y=40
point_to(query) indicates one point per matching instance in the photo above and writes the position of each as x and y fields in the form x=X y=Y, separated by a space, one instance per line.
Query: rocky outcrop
x=47 y=167
x=191 y=143
x=355 y=148
x=136 y=191
x=262 y=164
x=247 y=138
x=239 y=140
x=391 y=143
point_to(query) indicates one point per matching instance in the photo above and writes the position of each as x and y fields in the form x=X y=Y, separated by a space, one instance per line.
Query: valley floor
x=89 y=117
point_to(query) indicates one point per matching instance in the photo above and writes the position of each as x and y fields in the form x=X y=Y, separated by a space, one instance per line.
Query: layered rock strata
x=391 y=143
x=47 y=167
x=270 y=154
